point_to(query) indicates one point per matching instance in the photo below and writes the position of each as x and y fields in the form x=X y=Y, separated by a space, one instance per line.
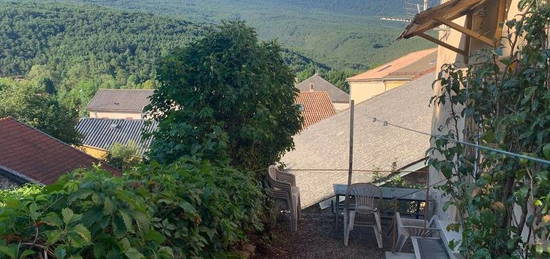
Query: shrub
x=124 y=156
x=187 y=209
x=238 y=96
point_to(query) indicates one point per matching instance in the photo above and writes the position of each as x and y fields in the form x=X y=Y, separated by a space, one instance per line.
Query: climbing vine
x=500 y=101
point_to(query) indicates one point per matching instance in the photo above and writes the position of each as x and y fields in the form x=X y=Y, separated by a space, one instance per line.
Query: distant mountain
x=343 y=34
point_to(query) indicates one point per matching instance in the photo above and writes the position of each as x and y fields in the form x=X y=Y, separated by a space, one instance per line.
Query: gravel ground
x=317 y=237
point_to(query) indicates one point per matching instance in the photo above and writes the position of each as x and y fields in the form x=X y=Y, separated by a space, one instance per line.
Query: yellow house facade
x=95 y=152
x=392 y=74
x=126 y=104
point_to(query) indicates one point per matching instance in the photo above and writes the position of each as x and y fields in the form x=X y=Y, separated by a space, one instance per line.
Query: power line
x=508 y=153
x=354 y=170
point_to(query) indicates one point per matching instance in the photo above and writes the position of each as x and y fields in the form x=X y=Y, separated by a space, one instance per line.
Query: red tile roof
x=38 y=156
x=316 y=106
x=410 y=66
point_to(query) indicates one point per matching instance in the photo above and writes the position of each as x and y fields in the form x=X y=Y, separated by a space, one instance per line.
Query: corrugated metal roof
x=318 y=83
x=103 y=133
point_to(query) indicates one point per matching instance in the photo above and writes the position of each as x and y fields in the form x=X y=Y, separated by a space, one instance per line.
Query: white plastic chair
x=407 y=228
x=366 y=197
x=284 y=190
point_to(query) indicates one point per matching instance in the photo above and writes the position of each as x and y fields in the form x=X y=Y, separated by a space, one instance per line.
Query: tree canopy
x=81 y=48
x=35 y=103
x=225 y=97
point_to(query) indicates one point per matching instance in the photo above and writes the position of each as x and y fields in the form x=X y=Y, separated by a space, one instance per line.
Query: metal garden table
x=388 y=193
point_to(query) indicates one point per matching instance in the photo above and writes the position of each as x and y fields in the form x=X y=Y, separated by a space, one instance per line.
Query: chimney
x=311 y=87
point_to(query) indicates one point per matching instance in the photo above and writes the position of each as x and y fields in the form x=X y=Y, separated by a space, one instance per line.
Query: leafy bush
x=238 y=96
x=124 y=156
x=187 y=209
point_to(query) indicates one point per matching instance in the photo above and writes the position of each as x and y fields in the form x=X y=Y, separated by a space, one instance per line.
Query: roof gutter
x=16 y=176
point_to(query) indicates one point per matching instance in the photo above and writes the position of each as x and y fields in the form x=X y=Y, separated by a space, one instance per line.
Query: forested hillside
x=80 y=48
x=344 y=34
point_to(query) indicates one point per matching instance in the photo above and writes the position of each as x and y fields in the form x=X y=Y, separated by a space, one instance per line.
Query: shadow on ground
x=317 y=237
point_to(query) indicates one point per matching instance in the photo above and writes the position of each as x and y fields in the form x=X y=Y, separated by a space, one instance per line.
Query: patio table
x=388 y=193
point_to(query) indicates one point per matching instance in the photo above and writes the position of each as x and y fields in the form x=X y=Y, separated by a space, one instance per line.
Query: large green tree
x=225 y=97
x=34 y=102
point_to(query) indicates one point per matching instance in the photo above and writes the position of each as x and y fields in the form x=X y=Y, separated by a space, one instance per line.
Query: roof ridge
x=393 y=61
x=7 y=118
x=58 y=140
x=404 y=86
x=126 y=89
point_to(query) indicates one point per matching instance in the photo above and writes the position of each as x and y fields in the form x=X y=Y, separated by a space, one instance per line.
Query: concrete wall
x=6 y=183
x=361 y=91
x=115 y=115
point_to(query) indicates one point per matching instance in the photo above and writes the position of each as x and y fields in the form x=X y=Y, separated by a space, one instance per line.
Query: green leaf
x=76 y=240
x=108 y=207
x=133 y=253
x=165 y=252
x=127 y=221
x=60 y=252
x=546 y=151
x=10 y=251
x=53 y=236
x=52 y=219
x=33 y=211
x=67 y=215
x=187 y=207
x=156 y=236
x=83 y=232
x=26 y=253
x=124 y=244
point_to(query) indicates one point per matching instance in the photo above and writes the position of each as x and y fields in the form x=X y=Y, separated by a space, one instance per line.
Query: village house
x=119 y=103
x=315 y=106
x=99 y=135
x=339 y=98
x=392 y=74
x=320 y=158
x=28 y=155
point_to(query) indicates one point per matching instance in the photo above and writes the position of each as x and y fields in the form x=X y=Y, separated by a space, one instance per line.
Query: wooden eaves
x=445 y=13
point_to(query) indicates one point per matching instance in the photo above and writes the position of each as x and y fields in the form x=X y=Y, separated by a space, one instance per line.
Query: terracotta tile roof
x=408 y=67
x=36 y=156
x=120 y=100
x=318 y=83
x=316 y=106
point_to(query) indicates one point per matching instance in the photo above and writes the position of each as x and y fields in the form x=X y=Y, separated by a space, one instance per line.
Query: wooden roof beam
x=471 y=33
x=501 y=16
x=441 y=43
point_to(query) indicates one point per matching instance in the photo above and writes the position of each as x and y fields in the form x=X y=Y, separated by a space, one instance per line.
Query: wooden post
x=351 y=116
x=350 y=169
x=468 y=39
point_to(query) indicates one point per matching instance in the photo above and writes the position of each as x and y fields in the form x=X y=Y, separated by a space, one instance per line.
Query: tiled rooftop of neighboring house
x=316 y=106
x=318 y=83
x=325 y=145
x=407 y=67
x=120 y=100
x=34 y=156
x=103 y=133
